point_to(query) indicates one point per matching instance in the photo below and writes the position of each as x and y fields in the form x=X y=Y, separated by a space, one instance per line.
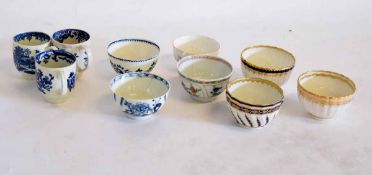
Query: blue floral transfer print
x=44 y=83
x=141 y=109
x=78 y=35
x=23 y=61
x=42 y=37
x=71 y=81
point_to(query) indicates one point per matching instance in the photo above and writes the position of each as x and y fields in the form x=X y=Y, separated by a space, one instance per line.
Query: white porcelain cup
x=25 y=47
x=55 y=74
x=77 y=42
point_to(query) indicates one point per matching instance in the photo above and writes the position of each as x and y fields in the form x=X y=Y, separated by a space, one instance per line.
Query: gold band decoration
x=321 y=99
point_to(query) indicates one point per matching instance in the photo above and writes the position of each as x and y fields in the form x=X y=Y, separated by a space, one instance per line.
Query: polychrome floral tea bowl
x=140 y=94
x=267 y=62
x=133 y=55
x=325 y=94
x=195 y=45
x=204 y=77
x=25 y=48
x=254 y=102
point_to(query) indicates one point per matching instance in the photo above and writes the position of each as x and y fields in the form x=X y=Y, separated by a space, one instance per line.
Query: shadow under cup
x=55 y=74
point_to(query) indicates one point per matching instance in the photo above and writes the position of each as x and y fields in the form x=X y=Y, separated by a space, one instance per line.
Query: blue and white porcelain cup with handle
x=25 y=48
x=55 y=74
x=76 y=42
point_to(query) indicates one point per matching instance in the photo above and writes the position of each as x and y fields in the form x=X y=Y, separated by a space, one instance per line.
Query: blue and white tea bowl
x=140 y=94
x=133 y=55
x=25 y=48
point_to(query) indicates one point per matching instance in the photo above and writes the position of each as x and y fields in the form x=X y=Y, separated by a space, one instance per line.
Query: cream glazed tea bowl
x=254 y=102
x=325 y=94
x=267 y=62
x=194 y=45
x=140 y=94
x=133 y=55
x=204 y=77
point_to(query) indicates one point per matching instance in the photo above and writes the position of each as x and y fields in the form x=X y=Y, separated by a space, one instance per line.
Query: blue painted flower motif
x=44 y=83
x=78 y=35
x=140 y=108
x=23 y=61
x=71 y=81
x=119 y=69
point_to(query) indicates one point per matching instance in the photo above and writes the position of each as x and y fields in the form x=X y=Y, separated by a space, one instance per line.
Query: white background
x=89 y=135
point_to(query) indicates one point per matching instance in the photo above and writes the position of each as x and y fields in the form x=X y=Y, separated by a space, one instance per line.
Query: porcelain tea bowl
x=25 y=48
x=140 y=94
x=254 y=102
x=133 y=55
x=204 y=77
x=325 y=94
x=194 y=45
x=267 y=62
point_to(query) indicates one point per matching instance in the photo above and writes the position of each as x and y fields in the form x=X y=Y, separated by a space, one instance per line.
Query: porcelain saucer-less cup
x=25 y=47
x=77 y=42
x=325 y=94
x=254 y=102
x=195 y=45
x=133 y=55
x=55 y=74
x=140 y=94
x=267 y=62
x=204 y=77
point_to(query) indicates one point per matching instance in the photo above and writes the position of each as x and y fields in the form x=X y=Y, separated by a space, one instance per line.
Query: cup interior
x=139 y=86
x=133 y=49
x=31 y=38
x=204 y=68
x=55 y=59
x=255 y=91
x=268 y=57
x=196 y=44
x=327 y=84
x=71 y=36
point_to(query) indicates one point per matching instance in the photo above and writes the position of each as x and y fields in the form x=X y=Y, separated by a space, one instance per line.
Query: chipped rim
x=331 y=100
x=267 y=69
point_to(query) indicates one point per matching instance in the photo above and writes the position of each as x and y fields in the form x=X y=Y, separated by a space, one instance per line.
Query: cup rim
x=30 y=32
x=75 y=44
x=139 y=75
x=134 y=40
x=323 y=98
x=267 y=82
x=267 y=69
x=197 y=36
x=209 y=57
x=37 y=57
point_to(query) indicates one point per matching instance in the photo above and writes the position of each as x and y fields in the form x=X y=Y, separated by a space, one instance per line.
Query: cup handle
x=63 y=79
x=83 y=49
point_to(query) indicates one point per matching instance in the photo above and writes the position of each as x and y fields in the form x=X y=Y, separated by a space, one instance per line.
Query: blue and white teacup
x=25 y=47
x=55 y=74
x=140 y=94
x=77 y=42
